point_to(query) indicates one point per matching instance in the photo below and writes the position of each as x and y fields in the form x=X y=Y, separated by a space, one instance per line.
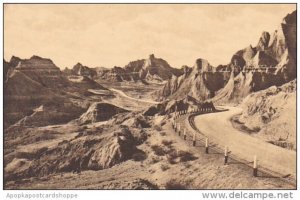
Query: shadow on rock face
x=91 y=152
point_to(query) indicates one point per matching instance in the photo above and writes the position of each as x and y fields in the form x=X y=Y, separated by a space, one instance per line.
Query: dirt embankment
x=271 y=113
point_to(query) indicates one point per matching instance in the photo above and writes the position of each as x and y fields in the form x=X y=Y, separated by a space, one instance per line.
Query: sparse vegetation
x=157 y=127
x=167 y=142
x=154 y=160
x=172 y=157
x=162 y=133
x=187 y=165
x=139 y=156
x=64 y=130
x=164 y=167
x=186 y=156
x=158 y=150
x=283 y=144
x=179 y=156
x=256 y=129
x=174 y=184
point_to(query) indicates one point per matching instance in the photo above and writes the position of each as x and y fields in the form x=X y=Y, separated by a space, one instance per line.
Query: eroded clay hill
x=200 y=82
x=271 y=114
x=271 y=62
x=31 y=83
x=80 y=70
x=83 y=144
x=151 y=69
x=100 y=112
x=102 y=149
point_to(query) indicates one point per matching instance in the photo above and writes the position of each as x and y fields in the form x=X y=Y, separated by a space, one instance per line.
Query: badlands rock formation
x=152 y=70
x=101 y=150
x=42 y=71
x=60 y=122
x=116 y=74
x=100 y=112
x=81 y=70
x=201 y=82
x=31 y=83
x=271 y=62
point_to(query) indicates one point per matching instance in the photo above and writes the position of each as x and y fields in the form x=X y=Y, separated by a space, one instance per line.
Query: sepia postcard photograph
x=138 y=96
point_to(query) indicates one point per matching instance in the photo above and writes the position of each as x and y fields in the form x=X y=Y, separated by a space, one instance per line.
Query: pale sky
x=112 y=35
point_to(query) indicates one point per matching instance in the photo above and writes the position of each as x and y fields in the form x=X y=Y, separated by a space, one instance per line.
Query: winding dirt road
x=218 y=128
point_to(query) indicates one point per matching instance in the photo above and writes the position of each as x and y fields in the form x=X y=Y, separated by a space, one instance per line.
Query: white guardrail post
x=226 y=155
x=206 y=145
x=194 y=139
x=255 y=166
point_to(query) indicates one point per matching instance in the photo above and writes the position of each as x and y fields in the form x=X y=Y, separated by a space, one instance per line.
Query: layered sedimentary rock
x=81 y=70
x=33 y=82
x=117 y=74
x=43 y=71
x=152 y=70
x=159 y=67
x=271 y=62
x=200 y=82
